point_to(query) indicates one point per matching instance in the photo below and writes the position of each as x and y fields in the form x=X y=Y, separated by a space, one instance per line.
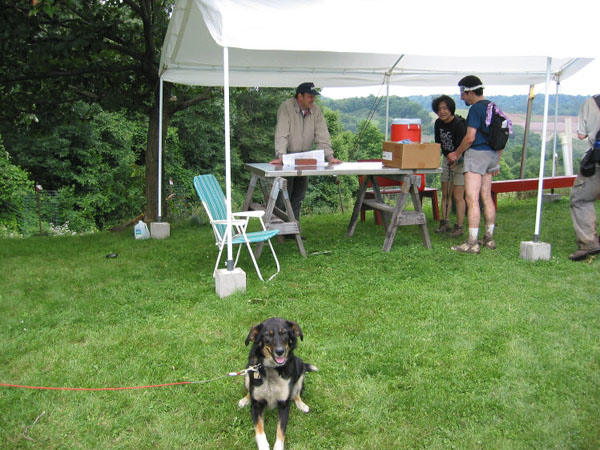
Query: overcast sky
x=585 y=82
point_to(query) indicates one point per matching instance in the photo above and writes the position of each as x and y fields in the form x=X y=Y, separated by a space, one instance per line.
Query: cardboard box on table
x=411 y=156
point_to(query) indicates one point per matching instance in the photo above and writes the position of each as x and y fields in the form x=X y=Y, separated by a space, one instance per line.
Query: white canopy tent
x=341 y=43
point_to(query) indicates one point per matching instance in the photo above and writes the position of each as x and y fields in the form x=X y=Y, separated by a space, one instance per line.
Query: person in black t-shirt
x=449 y=131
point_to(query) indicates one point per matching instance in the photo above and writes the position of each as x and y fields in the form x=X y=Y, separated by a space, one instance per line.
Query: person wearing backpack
x=449 y=131
x=586 y=187
x=481 y=163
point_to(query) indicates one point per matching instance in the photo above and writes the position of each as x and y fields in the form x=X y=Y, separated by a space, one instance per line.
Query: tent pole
x=160 y=133
x=387 y=107
x=388 y=75
x=526 y=134
x=227 y=157
x=538 y=214
x=554 y=156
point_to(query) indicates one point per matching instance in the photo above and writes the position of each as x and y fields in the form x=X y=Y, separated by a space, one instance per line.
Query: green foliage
x=90 y=157
x=58 y=52
x=254 y=118
x=14 y=184
x=332 y=193
x=353 y=111
x=367 y=143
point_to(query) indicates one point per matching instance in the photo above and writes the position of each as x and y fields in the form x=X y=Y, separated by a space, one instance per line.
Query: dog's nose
x=279 y=351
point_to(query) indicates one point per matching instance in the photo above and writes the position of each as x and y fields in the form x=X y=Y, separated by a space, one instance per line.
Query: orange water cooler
x=406 y=129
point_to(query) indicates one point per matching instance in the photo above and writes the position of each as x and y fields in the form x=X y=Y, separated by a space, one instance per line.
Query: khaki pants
x=584 y=193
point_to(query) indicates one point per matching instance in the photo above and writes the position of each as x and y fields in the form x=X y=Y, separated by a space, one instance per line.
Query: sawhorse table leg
x=396 y=216
x=289 y=225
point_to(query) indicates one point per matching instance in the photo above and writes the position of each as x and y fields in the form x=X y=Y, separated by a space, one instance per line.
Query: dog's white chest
x=274 y=389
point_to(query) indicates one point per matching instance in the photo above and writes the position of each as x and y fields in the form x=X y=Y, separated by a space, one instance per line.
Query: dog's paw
x=245 y=401
x=278 y=445
x=302 y=406
x=261 y=442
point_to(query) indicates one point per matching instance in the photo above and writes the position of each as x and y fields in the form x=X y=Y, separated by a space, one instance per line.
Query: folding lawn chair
x=213 y=200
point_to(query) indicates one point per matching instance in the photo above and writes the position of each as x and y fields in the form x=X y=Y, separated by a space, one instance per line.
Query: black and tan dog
x=279 y=377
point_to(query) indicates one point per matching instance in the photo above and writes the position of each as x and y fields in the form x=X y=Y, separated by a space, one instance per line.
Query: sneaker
x=457 y=231
x=488 y=241
x=582 y=254
x=444 y=227
x=470 y=246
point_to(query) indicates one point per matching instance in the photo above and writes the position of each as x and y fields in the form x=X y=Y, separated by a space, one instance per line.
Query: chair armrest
x=249 y=213
x=233 y=222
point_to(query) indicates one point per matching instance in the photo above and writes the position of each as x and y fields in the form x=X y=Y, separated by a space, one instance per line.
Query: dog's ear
x=253 y=333
x=296 y=329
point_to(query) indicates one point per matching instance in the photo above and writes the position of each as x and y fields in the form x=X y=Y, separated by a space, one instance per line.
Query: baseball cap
x=307 y=88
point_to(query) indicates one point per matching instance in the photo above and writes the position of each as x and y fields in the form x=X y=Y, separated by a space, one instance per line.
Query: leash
x=254 y=368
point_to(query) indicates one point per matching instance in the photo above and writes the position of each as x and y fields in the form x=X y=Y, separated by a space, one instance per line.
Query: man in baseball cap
x=301 y=127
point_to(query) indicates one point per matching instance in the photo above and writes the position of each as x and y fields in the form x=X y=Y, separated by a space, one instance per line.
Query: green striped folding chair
x=213 y=200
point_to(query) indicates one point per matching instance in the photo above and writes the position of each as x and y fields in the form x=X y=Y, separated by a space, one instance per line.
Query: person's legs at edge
x=584 y=193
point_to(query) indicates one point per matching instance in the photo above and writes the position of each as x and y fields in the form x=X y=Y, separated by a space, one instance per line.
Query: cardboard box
x=411 y=156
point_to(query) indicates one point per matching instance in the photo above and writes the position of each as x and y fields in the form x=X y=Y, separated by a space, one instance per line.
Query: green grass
x=416 y=348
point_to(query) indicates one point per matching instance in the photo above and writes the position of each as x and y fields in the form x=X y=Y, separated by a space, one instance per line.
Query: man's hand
x=278 y=161
x=497 y=172
x=335 y=161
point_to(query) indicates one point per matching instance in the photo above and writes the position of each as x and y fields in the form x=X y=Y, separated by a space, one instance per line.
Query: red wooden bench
x=529 y=184
x=389 y=186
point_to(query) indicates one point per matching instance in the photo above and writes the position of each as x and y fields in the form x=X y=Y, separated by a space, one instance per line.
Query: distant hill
x=568 y=105
x=356 y=109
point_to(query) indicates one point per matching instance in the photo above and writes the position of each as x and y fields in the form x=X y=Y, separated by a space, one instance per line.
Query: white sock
x=473 y=233
x=490 y=229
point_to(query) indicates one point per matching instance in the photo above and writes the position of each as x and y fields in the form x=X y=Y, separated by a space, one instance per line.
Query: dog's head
x=275 y=339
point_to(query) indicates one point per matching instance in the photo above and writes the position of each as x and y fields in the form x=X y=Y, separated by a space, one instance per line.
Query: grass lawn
x=416 y=348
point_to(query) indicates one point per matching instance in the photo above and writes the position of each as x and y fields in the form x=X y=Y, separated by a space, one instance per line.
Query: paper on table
x=319 y=155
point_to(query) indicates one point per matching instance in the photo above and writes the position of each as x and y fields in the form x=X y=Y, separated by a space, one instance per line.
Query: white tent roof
x=356 y=42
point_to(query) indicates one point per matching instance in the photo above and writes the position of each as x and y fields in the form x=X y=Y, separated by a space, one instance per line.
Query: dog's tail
x=310 y=368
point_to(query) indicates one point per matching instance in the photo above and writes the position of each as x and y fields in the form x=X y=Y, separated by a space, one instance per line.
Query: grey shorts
x=481 y=161
x=458 y=176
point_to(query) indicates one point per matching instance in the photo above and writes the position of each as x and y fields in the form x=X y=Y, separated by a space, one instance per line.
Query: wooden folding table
x=273 y=183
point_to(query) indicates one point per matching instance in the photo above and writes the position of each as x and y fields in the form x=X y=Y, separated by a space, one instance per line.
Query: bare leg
x=472 y=188
x=459 y=201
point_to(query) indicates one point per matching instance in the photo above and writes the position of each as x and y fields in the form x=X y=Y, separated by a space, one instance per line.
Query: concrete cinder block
x=533 y=251
x=160 y=230
x=228 y=282
x=549 y=198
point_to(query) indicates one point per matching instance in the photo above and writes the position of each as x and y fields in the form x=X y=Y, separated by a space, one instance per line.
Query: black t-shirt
x=450 y=135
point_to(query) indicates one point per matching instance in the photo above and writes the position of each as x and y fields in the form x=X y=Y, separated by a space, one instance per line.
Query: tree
x=57 y=52
x=14 y=183
x=368 y=142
